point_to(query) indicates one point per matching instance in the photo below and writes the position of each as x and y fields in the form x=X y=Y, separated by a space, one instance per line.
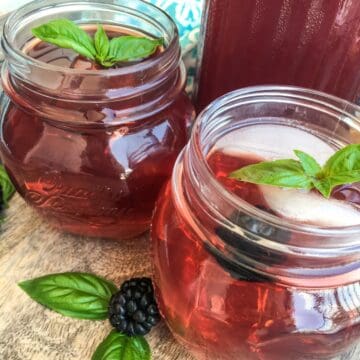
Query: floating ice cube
x=279 y=142
x=274 y=142
x=81 y=63
x=310 y=207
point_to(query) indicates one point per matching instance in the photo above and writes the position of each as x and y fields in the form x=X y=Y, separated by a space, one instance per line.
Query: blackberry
x=133 y=309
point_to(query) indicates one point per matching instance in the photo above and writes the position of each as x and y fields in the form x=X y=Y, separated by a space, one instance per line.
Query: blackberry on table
x=133 y=309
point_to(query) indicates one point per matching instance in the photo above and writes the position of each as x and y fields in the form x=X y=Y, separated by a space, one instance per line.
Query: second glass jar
x=234 y=281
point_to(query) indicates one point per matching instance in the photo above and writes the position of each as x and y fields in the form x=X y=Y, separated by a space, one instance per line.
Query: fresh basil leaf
x=77 y=295
x=127 y=48
x=344 y=161
x=6 y=186
x=327 y=184
x=66 y=34
x=308 y=163
x=284 y=173
x=102 y=44
x=324 y=187
x=118 y=346
x=342 y=168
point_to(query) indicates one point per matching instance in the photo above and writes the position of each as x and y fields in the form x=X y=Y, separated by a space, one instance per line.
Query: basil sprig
x=6 y=186
x=306 y=173
x=118 y=346
x=86 y=296
x=77 y=295
x=66 y=34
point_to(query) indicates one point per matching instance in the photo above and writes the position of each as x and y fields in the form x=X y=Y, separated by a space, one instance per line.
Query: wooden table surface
x=29 y=248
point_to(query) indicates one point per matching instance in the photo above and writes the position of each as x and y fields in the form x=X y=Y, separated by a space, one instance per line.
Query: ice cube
x=81 y=63
x=310 y=207
x=274 y=142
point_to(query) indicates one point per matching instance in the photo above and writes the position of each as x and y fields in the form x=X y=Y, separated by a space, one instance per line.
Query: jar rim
x=132 y=92
x=236 y=98
x=118 y=5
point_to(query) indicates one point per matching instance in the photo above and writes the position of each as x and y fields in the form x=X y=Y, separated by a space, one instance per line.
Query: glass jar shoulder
x=23 y=130
x=110 y=175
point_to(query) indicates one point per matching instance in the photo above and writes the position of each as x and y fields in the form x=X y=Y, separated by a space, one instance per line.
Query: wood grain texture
x=29 y=248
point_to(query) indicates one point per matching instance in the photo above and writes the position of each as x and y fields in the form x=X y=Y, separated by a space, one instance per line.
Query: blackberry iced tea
x=89 y=148
x=254 y=272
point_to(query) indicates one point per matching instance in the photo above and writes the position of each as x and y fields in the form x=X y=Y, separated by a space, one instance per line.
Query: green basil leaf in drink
x=129 y=48
x=308 y=163
x=327 y=184
x=102 y=44
x=341 y=168
x=323 y=186
x=66 y=34
x=283 y=173
x=344 y=161
x=118 y=346
x=6 y=186
x=77 y=295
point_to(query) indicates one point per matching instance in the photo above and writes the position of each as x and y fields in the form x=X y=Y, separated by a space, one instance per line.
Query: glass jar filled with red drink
x=309 y=43
x=245 y=271
x=89 y=147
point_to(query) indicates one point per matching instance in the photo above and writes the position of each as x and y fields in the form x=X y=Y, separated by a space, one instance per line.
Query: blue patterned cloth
x=187 y=15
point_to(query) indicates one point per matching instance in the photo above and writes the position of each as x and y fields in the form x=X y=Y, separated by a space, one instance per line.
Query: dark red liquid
x=307 y=43
x=97 y=180
x=219 y=316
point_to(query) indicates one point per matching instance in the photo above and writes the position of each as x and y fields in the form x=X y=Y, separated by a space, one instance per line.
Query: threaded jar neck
x=135 y=90
x=313 y=255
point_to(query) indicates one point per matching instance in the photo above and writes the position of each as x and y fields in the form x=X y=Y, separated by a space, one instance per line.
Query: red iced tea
x=90 y=148
x=308 y=43
x=254 y=279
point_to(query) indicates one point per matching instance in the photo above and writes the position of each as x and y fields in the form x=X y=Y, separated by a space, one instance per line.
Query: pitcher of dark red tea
x=310 y=43
x=253 y=271
x=88 y=144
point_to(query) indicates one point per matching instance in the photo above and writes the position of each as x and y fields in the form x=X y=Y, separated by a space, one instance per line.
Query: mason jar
x=90 y=148
x=236 y=280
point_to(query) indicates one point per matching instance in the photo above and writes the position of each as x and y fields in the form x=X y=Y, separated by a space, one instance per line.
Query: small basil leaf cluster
x=341 y=168
x=86 y=296
x=66 y=34
x=6 y=188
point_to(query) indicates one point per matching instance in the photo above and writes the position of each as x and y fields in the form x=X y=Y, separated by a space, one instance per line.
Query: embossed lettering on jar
x=89 y=148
